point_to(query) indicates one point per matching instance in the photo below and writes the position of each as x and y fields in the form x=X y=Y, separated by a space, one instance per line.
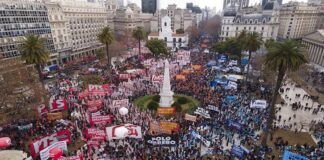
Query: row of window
x=22 y=13
x=23 y=20
x=22 y=6
x=24 y=32
x=16 y=26
x=12 y=49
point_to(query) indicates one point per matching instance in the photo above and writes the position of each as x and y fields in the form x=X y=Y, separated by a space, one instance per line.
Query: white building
x=315 y=46
x=265 y=23
x=165 y=33
x=76 y=25
x=315 y=1
x=297 y=19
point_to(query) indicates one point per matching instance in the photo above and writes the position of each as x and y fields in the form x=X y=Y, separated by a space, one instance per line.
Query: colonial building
x=240 y=3
x=297 y=19
x=19 y=18
x=266 y=23
x=314 y=43
x=165 y=33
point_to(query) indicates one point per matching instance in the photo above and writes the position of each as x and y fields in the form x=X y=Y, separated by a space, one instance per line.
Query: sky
x=202 y=3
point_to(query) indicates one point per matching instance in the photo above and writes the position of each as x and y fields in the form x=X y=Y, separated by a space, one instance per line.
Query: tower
x=166 y=93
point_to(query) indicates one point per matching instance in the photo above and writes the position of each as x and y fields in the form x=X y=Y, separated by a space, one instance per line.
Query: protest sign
x=95 y=134
x=202 y=112
x=161 y=140
x=157 y=79
x=189 y=117
x=166 y=110
x=45 y=155
x=294 y=156
x=212 y=108
x=42 y=109
x=120 y=103
x=170 y=126
x=57 y=105
x=36 y=146
x=25 y=127
x=100 y=119
x=134 y=131
x=258 y=104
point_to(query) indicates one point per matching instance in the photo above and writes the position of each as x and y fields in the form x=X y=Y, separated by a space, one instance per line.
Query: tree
x=106 y=37
x=253 y=42
x=100 y=54
x=152 y=106
x=139 y=34
x=180 y=31
x=33 y=51
x=219 y=47
x=269 y=42
x=233 y=46
x=193 y=34
x=158 y=48
x=282 y=57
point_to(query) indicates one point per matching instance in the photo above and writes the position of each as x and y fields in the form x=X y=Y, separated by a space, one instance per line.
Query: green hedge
x=152 y=106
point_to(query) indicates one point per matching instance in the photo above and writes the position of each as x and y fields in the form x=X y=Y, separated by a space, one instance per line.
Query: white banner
x=202 y=112
x=120 y=103
x=157 y=79
x=212 y=107
x=258 y=104
x=44 y=154
x=134 y=131
x=232 y=85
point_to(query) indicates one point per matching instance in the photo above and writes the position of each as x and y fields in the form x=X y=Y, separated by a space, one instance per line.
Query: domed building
x=266 y=22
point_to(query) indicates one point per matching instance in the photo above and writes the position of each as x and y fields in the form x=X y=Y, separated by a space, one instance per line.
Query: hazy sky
x=202 y=3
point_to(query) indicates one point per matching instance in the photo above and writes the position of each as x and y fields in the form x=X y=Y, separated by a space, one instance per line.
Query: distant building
x=264 y=2
x=315 y=1
x=194 y=9
x=240 y=3
x=149 y=6
x=180 y=18
x=265 y=23
x=165 y=33
x=297 y=19
x=314 y=43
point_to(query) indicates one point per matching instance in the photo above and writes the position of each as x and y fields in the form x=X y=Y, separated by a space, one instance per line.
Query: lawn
x=189 y=107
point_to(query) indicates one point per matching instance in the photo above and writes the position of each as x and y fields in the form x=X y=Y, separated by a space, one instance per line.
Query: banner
x=45 y=155
x=157 y=79
x=42 y=109
x=25 y=127
x=290 y=155
x=58 y=105
x=166 y=110
x=134 y=131
x=36 y=146
x=120 y=103
x=100 y=119
x=212 y=108
x=94 y=87
x=162 y=140
x=194 y=134
x=54 y=116
x=232 y=85
x=95 y=134
x=170 y=127
x=157 y=129
x=237 y=152
x=235 y=125
x=72 y=158
x=258 y=104
x=124 y=76
x=189 y=117
x=95 y=103
x=83 y=94
x=202 y=112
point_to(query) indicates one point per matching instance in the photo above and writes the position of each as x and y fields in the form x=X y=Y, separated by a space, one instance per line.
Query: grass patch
x=188 y=107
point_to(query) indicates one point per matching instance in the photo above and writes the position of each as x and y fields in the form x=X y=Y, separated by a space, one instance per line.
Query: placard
x=54 y=116
x=170 y=126
x=189 y=117
x=162 y=140
x=120 y=103
x=202 y=112
x=134 y=131
x=166 y=110
x=45 y=155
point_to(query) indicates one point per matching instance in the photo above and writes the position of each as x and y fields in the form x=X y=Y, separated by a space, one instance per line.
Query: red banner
x=100 y=119
x=36 y=146
x=42 y=109
x=120 y=103
x=72 y=158
x=124 y=76
x=58 y=105
x=93 y=87
x=95 y=134
x=157 y=79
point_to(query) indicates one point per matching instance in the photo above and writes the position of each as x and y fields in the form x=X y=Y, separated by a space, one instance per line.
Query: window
x=165 y=39
x=165 y=24
x=236 y=28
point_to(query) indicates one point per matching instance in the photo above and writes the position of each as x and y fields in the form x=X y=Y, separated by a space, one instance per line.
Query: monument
x=166 y=93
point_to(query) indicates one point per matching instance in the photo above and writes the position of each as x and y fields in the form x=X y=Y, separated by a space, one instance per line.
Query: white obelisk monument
x=166 y=93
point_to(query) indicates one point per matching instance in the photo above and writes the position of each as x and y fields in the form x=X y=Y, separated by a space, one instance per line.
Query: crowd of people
x=230 y=123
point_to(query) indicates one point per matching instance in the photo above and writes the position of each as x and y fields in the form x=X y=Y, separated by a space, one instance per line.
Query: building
x=316 y=2
x=166 y=33
x=240 y=3
x=127 y=18
x=180 y=18
x=297 y=19
x=149 y=6
x=193 y=8
x=78 y=27
x=314 y=43
x=320 y=20
x=19 y=18
x=266 y=23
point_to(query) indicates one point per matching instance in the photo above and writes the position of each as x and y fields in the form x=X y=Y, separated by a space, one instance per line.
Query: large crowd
x=231 y=122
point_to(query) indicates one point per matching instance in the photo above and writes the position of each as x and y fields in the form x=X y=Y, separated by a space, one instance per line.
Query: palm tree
x=139 y=34
x=282 y=57
x=33 y=51
x=219 y=47
x=106 y=37
x=233 y=46
x=253 y=42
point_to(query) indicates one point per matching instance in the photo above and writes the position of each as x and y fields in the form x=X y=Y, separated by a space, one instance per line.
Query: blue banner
x=230 y=99
x=235 y=125
x=237 y=151
x=211 y=63
x=244 y=61
x=293 y=156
